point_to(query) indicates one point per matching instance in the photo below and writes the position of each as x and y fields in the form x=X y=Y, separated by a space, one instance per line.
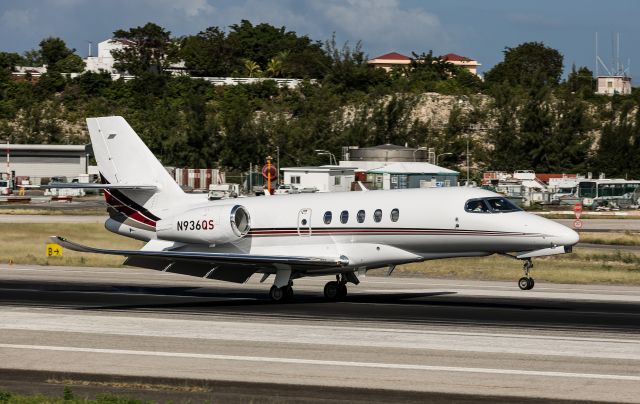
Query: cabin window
x=377 y=215
x=344 y=216
x=327 y=217
x=490 y=205
x=360 y=216
x=395 y=214
x=502 y=205
x=476 y=206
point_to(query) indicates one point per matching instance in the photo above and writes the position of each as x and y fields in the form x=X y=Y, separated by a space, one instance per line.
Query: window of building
x=344 y=216
x=336 y=180
x=377 y=215
x=295 y=179
x=327 y=217
x=360 y=216
x=395 y=215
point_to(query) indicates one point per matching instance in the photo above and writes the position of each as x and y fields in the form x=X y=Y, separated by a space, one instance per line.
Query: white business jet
x=293 y=236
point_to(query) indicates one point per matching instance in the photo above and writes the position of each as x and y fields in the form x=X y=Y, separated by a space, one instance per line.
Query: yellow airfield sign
x=54 y=250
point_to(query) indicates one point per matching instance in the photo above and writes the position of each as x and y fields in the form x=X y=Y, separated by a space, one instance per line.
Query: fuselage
x=377 y=228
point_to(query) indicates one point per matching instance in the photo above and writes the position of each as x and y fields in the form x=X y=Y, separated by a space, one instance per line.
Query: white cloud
x=383 y=22
x=19 y=19
x=191 y=8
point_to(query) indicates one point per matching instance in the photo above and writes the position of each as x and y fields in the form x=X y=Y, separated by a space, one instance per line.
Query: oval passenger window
x=344 y=216
x=395 y=214
x=377 y=215
x=327 y=217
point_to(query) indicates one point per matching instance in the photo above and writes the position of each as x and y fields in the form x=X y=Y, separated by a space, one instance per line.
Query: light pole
x=327 y=152
x=416 y=150
x=442 y=154
x=278 y=163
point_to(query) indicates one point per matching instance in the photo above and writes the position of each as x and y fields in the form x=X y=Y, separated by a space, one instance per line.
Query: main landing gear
x=526 y=282
x=336 y=290
x=283 y=294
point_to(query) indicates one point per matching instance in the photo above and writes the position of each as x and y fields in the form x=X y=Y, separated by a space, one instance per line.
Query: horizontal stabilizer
x=199 y=256
x=77 y=185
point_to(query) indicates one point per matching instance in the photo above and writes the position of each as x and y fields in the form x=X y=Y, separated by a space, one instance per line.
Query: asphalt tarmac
x=392 y=339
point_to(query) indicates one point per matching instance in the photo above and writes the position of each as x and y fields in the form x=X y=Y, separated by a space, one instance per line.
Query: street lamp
x=418 y=149
x=442 y=154
x=327 y=152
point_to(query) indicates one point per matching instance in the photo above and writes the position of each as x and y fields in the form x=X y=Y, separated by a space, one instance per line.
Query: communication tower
x=617 y=79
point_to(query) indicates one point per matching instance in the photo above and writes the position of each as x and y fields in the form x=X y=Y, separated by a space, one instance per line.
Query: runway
x=412 y=338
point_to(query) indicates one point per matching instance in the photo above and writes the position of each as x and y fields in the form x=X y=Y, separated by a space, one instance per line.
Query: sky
x=477 y=29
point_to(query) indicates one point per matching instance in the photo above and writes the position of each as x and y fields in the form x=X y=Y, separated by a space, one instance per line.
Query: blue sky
x=478 y=29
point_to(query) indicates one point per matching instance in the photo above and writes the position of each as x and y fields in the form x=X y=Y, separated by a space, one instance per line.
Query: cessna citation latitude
x=292 y=236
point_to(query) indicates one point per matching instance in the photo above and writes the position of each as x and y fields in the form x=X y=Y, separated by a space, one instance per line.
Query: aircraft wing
x=231 y=267
x=78 y=185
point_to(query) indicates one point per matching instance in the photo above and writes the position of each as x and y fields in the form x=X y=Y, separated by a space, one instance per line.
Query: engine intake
x=208 y=225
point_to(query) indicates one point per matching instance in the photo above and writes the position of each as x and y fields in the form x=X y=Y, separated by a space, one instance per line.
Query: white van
x=5 y=187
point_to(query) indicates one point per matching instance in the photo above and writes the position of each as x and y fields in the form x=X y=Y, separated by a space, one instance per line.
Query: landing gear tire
x=332 y=290
x=526 y=283
x=280 y=295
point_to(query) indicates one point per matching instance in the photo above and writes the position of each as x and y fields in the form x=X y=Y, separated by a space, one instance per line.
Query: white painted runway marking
x=626 y=349
x=298 y=361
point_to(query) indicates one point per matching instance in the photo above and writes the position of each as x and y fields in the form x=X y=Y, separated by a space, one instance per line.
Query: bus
x=596 y=193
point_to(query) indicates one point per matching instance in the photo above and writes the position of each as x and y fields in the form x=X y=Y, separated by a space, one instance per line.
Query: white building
x=322 y=178
x=37 y=161
x=610 y=85
x=411 y=175
x=104 y=61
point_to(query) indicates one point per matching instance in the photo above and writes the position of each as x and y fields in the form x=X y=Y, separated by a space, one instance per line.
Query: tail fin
x=123 y=159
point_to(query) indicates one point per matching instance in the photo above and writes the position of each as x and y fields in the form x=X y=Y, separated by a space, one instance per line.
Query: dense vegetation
x=523 y=116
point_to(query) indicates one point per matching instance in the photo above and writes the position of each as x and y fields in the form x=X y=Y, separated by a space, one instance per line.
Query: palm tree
x=274 y=67
x=251 y=68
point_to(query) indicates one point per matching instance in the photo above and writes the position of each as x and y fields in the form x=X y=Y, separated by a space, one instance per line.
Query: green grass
x=625 y=238
x=67 y=397
x=583 y=267
x=24 y=243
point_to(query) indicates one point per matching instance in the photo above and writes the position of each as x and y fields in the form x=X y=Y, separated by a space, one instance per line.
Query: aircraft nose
x=566 y=236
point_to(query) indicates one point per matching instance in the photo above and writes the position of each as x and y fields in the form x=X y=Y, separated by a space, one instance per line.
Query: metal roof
x=44 y=147
x=412 y=168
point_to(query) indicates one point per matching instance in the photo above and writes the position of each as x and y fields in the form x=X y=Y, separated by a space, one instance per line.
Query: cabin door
x=304 y=222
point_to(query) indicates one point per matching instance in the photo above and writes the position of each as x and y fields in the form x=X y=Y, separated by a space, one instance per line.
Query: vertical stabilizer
x=123 y=159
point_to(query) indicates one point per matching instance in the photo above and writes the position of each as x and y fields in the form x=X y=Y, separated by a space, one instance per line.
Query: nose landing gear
x=526 y=282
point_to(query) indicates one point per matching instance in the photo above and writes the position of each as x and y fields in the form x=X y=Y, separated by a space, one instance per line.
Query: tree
x=208 y=53
x=274 y=67
x=33 y=57
x=349 y=69
x=528 y=64
x=263 y=42
x=70 y=64
x=252 y=69
x=581 y=81
x=145 y=49
x=9 y=61
x=54 y=50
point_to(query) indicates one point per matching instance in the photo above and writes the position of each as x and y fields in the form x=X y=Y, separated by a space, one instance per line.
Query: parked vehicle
x=286 y=189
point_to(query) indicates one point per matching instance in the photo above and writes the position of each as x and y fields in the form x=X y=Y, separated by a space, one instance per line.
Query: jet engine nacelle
x=208 y=225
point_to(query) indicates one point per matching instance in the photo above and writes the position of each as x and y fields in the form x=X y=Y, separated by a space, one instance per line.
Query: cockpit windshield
x=490 y=205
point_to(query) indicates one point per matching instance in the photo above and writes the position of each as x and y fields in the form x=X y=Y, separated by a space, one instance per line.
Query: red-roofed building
x=462 y=61
x=390 y=60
